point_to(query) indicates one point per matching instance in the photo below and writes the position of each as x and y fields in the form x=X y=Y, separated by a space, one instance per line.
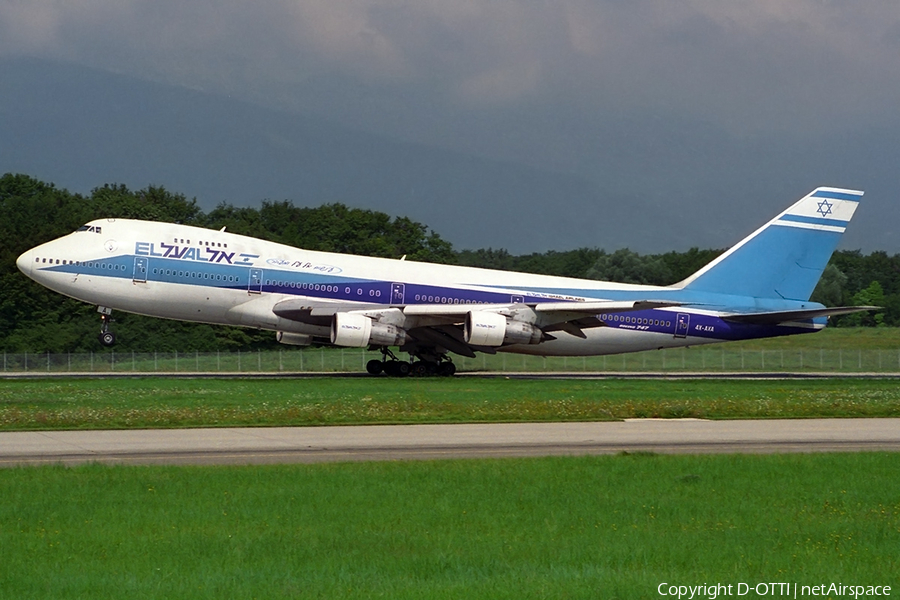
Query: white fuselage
x=192 y=274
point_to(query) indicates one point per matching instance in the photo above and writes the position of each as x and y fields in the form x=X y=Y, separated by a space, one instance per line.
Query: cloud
x=744 y=66
x=27 y=27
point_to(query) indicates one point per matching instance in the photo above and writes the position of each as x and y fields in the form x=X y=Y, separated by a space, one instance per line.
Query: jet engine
x=358 y=331
x=493 y=329
x=293 y=339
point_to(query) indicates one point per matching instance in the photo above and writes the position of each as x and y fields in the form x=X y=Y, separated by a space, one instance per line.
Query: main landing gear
x=422 y=367
x=106 y=337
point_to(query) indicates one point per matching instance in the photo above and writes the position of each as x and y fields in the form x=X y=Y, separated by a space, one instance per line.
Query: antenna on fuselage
x=223 y=229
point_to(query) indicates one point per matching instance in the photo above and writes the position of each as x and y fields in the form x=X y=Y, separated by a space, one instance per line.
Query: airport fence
x=353 y=360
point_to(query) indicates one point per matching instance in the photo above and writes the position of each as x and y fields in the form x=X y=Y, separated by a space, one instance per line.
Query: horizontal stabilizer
x=773 y=318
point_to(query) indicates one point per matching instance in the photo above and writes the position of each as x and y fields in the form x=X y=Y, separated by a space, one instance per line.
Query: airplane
x=759 y=288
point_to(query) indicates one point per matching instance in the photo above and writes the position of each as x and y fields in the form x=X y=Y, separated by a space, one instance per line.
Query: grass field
x=586 y=527
x=592 y=527
x=160 y=402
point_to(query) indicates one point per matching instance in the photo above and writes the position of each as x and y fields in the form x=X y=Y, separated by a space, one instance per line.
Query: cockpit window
x=95 y=229
x=83 y=228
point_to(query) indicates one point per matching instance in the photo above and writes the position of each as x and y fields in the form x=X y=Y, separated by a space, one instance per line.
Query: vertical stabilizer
x=785 y=257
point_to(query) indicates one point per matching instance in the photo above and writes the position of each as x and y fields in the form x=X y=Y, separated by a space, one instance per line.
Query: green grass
x=159 y=402
x=589 y=527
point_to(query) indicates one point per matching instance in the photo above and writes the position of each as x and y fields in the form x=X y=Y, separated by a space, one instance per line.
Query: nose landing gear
x=106 y=337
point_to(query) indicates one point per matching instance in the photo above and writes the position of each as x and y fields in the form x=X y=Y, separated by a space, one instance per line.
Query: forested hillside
x=34 y=319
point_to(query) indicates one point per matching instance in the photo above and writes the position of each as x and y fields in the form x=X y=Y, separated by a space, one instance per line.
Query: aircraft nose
x=25 y=261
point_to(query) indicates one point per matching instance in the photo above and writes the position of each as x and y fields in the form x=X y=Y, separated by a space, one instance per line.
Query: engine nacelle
x=293 y=339
x=493 y=329
x=358 y=331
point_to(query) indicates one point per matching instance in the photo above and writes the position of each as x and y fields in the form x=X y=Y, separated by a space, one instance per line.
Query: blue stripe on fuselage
x=285 y=282
x=709 y=327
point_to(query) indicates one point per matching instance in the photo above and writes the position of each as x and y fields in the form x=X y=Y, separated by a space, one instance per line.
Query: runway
x=235 y=446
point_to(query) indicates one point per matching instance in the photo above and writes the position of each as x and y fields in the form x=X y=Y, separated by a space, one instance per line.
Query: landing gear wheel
x=392 y=367
x=396 y=368
x=402 y=368
x=446 y=369
x=107 y=337
x=421 y=368
x=374 y=367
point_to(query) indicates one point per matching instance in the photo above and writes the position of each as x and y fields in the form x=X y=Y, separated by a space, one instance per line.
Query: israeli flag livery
x=826 y=209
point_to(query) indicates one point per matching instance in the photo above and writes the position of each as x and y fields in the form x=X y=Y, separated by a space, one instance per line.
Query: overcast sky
x=413 y=67
x=526 y=81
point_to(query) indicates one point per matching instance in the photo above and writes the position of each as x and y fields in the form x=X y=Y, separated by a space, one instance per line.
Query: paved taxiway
x=419 y=442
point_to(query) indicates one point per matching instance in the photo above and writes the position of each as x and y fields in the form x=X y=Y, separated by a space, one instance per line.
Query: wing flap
x=575 y=327
x=315 y=312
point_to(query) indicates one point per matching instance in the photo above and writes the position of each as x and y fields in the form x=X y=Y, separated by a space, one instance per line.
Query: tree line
x=34 y=319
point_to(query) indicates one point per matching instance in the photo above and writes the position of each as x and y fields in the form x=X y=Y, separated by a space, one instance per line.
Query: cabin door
x=398 y=293
x=256 y=279
x=682 y=325
x=140 y=269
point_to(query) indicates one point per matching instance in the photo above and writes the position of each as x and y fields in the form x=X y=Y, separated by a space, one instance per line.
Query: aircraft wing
x=441 y=324
x=312 y=311
x=784 y=316
x=544 y=308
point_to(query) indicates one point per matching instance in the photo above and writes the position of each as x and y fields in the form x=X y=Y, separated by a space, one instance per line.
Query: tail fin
x=785 y=257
